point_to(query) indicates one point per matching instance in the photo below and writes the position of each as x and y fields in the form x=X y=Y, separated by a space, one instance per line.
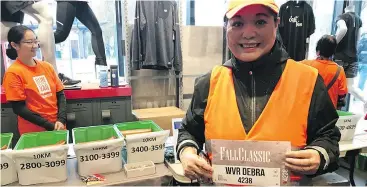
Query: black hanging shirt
x=297 y=23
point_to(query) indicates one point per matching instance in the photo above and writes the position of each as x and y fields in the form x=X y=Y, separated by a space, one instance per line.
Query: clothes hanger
x=349 y=8
x=297 y=1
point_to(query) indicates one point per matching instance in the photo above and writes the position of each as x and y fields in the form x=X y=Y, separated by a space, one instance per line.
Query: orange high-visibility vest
x=284 y=117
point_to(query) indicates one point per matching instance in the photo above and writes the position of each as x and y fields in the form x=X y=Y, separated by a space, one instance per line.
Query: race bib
x=258 y=163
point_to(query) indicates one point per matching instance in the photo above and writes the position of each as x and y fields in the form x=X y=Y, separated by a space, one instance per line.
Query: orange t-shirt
x=37 y=86
x=327 y=69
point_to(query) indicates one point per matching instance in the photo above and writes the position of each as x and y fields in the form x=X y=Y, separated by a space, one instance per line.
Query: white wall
x=323 y=12
x=280 y=2
x=209 y=12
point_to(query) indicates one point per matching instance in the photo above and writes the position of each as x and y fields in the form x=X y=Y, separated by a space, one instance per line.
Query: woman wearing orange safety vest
x=260 y=94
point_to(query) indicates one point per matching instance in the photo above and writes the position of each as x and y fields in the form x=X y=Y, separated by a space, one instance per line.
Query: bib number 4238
x=245 y=180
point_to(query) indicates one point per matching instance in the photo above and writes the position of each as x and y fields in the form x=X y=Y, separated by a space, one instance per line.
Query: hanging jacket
x=155 y=41
x=259 y=86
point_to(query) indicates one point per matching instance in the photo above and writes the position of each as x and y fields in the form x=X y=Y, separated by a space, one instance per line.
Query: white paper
x=259 y=163
x=347 y=126
x=242 y=175
x=146 y=146
x=170 y=141
x=8 y=170
x=99 y=157
x=49 y=163
x=71 y=152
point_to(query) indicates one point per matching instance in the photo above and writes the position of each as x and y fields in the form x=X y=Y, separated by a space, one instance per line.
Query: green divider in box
x=343 y=113
x=94 y=133
x=6 y=139
x=138 y=125
x=37 y=139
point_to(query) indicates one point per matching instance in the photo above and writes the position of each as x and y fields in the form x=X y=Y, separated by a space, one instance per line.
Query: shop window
x=361 y=79
x=74 y=49
x=75 y=56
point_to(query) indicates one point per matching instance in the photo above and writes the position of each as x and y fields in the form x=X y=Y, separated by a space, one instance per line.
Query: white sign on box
x=347 y=126
x=48 y=163
x=99 y=157
x=258 y=163
x=146 y=146
x=8 y=171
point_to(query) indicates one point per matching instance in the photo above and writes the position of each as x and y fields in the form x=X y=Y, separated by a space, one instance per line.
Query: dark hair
x=15 y=35
x=326 y=46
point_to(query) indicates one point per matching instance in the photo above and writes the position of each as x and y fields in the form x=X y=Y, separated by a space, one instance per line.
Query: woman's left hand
x=305 y=162
x=59 y=126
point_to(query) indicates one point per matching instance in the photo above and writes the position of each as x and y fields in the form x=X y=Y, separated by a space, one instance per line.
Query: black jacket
x=155 y=41
x=321 y=132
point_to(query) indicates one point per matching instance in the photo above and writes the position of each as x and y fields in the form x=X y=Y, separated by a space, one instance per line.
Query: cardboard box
x=161 y=116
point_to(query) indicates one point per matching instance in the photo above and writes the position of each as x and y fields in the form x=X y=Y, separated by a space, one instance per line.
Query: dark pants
x=66 y=12
x=350 y=68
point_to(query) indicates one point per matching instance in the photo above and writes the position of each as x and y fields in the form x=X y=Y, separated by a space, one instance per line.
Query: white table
x=162 y=177
x=354 y=147
x=358 y=142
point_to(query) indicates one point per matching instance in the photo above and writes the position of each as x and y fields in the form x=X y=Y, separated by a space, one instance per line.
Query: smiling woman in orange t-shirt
x=32 y=86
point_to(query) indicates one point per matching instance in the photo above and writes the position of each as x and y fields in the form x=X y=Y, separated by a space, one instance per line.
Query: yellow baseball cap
x=234 y=6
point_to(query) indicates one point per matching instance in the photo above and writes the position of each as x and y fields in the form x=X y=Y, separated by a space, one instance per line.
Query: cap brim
x=237 y=9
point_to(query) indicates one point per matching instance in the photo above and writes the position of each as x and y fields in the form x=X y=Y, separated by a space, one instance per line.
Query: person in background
x=32 y=86
x=362 y=60
x=260 y=95
x=333 y=74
